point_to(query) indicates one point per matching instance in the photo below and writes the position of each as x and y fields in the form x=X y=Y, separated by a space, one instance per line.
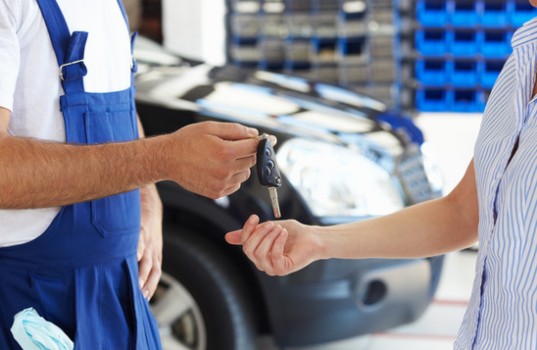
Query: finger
x=267 y=241
x=231 y=189
x=245 y=163
x=263 y=251
x=234 y=182
x=234 y=237
x=237 y=179
x=231 y=131
x=141 y=249
x=152 y=281
x=239 y=149
x=251 y=244
x=249 y=227
x=144 y=268
x=240 y=177
x=273 y=140
x=276 y=255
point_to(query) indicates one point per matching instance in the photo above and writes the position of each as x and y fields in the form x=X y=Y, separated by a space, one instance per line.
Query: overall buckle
x=66 y=65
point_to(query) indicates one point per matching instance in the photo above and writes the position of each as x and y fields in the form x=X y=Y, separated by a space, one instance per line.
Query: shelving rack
x=416 y=55
x=460 y=48
x=348 y=42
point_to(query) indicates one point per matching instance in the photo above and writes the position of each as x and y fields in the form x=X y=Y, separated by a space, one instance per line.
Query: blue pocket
x=118 y=214
x=104 y=127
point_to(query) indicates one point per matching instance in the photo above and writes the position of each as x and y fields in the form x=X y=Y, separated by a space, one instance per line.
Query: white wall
x=195 y=28
x=452 y=137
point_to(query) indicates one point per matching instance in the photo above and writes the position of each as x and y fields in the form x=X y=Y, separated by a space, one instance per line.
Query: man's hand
x=212 y=159
x=278 y=248
x=150 y=244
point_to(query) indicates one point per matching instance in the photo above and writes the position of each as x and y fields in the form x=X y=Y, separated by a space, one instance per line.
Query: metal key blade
x=273 y=192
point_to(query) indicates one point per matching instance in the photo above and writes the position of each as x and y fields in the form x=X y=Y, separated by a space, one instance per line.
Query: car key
x=268 y=172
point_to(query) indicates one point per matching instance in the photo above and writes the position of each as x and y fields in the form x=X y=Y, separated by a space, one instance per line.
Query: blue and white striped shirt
x=502 y=313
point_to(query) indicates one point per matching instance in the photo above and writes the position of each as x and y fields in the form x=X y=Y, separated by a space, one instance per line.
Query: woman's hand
x=278 y=248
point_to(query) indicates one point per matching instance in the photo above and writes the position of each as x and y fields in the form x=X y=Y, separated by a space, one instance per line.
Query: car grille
x=411 y=173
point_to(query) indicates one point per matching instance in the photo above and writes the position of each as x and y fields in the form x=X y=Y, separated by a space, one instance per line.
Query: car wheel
x=201 y=302
x=179 y=318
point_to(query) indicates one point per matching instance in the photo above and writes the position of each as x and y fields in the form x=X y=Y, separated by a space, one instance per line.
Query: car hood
x=279 y=102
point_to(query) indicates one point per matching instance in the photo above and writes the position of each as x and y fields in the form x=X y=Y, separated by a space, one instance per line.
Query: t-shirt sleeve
x=9 y=54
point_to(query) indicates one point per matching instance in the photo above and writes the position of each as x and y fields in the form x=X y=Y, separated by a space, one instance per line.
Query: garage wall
x=195 y=29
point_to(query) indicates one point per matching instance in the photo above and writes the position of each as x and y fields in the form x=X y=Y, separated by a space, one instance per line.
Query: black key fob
x=267 y=169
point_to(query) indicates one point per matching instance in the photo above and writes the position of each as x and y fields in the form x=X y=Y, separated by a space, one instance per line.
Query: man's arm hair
x=36 y=174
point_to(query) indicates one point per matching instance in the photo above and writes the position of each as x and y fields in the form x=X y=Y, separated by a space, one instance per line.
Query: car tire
x=201 y=303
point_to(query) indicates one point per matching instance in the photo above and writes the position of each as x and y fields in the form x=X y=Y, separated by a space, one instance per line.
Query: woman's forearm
x=422 y=230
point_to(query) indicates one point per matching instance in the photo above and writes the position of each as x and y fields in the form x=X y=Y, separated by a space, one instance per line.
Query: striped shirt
x=502 y=313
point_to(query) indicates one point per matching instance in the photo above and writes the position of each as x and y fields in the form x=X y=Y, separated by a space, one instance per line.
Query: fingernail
x=252 y=132
x=146 y=295
x=141 y=281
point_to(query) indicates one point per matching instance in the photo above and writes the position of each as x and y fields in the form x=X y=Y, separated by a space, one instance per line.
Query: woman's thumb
x=233 y=237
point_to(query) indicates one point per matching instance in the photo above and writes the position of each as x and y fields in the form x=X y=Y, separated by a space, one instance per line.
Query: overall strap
x=69 y=49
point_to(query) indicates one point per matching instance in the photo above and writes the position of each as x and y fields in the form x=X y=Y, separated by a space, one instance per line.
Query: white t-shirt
x=30 y=85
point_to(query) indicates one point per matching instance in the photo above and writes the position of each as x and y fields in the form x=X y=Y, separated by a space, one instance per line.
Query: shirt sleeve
x=9 y=54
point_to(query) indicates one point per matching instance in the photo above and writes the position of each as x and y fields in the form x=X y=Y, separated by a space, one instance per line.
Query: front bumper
x=352 y=297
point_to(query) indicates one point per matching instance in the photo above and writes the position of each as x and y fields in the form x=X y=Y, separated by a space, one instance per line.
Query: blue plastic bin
x=244 y=52
x=496 y=43
x=297 y=54
x=464 y=13
x=432 y=42
x=467 y=101
x=433 y=72
x=433 y=99
x=351 y=46
x=465 y=42
x=495 y=13
x=520 y=11
x=297 y=66
x=271 y=65
x=323 y=50
x=464 y=73
x=489 y=72
x=433 y=13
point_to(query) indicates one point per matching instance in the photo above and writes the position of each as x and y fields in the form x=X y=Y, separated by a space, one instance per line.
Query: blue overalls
x=82 y=272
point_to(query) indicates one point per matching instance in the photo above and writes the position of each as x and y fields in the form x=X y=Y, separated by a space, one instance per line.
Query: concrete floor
x=452 y=138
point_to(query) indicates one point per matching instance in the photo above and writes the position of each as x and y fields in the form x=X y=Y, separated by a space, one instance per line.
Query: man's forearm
x=35 y=174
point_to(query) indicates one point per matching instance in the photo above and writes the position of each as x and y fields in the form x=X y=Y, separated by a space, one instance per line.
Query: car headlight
x=336 y=181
